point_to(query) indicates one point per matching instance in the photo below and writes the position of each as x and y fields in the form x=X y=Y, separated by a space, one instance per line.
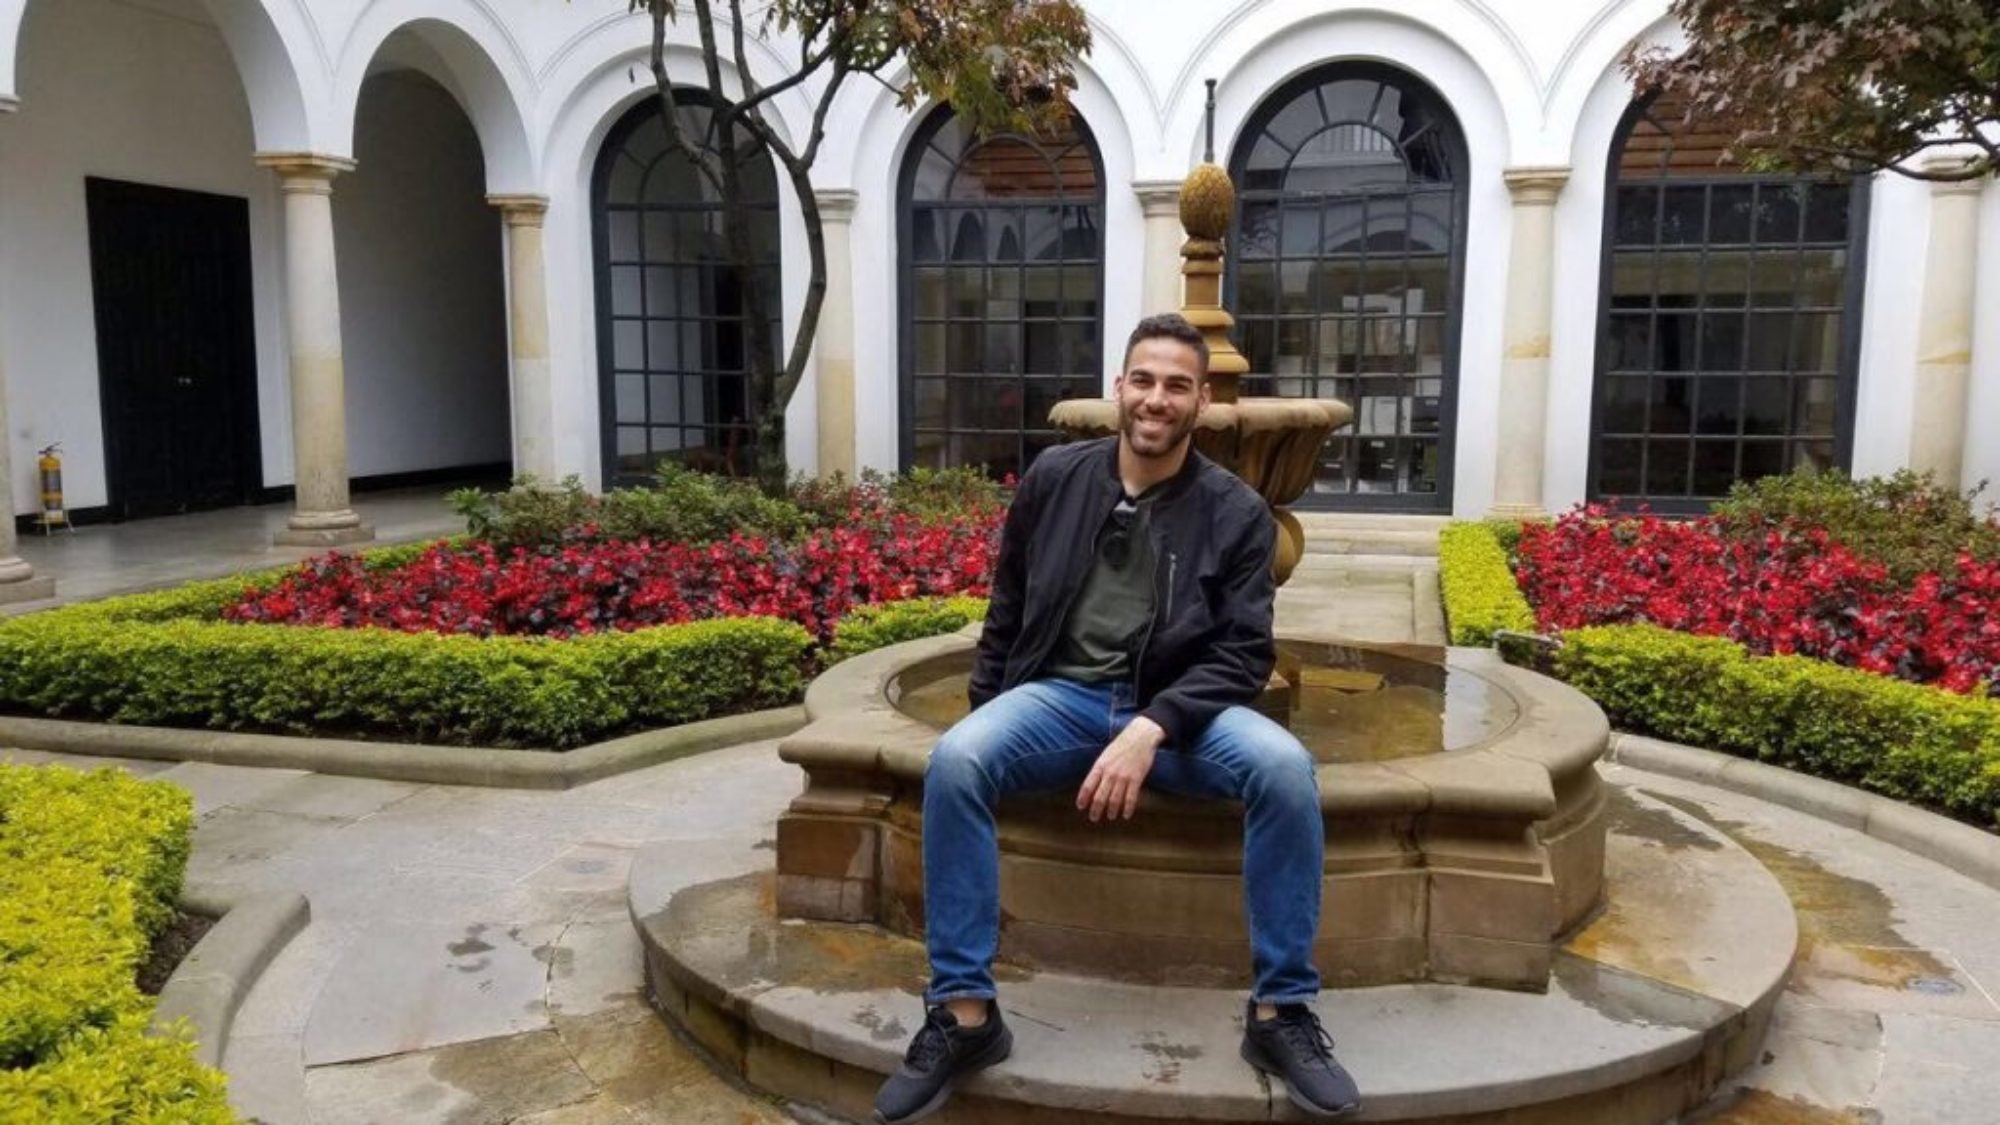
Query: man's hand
x=1112 y=789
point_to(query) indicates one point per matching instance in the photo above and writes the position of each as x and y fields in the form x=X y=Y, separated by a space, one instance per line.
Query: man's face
x=1159 y=396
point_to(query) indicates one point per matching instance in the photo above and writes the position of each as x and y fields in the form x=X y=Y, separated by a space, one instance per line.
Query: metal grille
x=1729 y=320
x=1002 y=266
x=673 y=355
x=1344 y=273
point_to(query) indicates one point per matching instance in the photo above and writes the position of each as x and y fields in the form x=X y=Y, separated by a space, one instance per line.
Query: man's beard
x=1164 y=446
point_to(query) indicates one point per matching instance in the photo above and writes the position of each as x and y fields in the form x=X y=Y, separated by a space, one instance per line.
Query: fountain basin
x=1459 y=854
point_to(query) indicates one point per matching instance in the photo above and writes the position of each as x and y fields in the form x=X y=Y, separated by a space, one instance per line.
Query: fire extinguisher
x=53 y=513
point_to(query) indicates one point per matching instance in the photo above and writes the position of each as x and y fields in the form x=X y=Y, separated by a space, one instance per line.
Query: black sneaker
x=939 y=1056
x=1294 y=1046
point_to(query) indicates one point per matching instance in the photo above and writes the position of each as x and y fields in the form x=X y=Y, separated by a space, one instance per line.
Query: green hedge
x=90 y=867
x=870 y=627
x=1477 y=584
x=1903 y=740
x=163 y=659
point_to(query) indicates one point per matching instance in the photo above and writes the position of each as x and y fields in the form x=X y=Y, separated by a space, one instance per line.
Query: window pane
x=1625 y=405
x=1666 y=468
x=1020 y=300
x=1618 y=465
x=1714 y=467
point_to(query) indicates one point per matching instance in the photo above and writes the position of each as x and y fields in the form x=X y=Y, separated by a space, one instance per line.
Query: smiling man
x=1130 y=626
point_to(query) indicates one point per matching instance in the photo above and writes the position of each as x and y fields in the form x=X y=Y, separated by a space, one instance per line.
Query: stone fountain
x=1477 y=973
x=1272 y=443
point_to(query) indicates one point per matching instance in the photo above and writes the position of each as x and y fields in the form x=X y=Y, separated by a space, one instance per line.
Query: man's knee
x=1273 y=757
x=955 y=762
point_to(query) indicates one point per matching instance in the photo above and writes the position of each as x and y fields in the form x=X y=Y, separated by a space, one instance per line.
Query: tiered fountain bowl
x=1272 y=443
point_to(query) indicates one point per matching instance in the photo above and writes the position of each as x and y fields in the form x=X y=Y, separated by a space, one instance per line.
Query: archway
x=1346 y=273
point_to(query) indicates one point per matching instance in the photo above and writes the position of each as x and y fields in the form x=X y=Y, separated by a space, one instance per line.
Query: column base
x=324 y=529
x=39 y=587
x=1517 y=512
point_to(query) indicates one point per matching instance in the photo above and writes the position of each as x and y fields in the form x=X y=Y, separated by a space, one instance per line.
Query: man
x=1132 y=594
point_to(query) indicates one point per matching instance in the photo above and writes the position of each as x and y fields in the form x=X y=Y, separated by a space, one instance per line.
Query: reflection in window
x=1345 y=271
x=1724 y=350
x=673 y=356
x=1002 y=266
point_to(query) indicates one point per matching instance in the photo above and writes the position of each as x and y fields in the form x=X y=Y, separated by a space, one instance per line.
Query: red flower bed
x=596 y=586
x=1783 y=589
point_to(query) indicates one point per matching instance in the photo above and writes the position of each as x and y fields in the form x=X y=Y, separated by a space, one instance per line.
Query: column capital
x=836 y=205
x=9 y=103
x=520 y=209
x=305 y=172
x=1945 y=164
x=1532 y=183
x=1161 y=199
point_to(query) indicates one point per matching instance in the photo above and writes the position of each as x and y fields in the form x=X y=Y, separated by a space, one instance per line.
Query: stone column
x=18 y=580
x=528 y=315
x=834 y=344
x=1524 y=363
x=1161 y=201
x=321 y=516
x=1944 y=328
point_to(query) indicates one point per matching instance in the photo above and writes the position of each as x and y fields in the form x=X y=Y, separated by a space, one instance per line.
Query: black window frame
x=1457 y=155
x=1853 y=288
x=1090 y=385
x=710 y=377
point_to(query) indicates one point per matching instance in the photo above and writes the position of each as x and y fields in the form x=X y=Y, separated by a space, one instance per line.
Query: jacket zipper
x=1165 y=606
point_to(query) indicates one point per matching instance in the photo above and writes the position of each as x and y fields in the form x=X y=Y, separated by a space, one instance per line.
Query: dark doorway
x=176 y=349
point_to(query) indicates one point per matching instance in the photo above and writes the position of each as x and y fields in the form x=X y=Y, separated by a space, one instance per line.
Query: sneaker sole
x=1257 y=1060
x=998 y=1052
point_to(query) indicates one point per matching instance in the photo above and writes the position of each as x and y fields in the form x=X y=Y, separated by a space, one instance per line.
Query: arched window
x=673 y=356
x=1730 y=317
x=1002 y=267
x=1345 y=273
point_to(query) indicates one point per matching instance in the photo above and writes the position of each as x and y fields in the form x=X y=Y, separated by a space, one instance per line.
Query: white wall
x=127 y=91
x=423 y=304
x=144 y=90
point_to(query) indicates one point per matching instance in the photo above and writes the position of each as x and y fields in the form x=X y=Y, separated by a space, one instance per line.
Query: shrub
x=126 y=664
x=1480 y=597
x=947 y=494
x=1789 y=591
x=90 y=867
x=680 y=506
x=1907 y=522
x=871 y=627
x=619 y=585
x=1903 y=740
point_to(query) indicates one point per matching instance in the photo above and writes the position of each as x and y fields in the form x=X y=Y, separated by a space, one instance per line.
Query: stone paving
x=95 y=561
x=471 y=960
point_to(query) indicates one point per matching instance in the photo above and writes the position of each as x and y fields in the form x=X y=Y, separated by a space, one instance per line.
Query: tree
x=1848 y=85
x=999 y=63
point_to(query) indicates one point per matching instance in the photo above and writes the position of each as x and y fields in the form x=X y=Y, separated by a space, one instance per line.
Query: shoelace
x=1305 y=1035
x=931 y=1045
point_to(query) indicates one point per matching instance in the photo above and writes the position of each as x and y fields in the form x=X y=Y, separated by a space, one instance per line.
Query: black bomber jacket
x=1209 y=646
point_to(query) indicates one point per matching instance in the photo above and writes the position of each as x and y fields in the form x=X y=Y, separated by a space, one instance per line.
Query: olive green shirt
x=1108 y=621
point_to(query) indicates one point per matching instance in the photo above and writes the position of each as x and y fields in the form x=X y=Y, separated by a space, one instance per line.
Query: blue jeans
x=1046 y=735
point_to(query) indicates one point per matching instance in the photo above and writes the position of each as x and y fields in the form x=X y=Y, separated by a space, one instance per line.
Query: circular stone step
x=1651 y=1004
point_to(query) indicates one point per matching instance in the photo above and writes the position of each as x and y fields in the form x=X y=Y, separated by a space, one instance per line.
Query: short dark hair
x=1169 y=326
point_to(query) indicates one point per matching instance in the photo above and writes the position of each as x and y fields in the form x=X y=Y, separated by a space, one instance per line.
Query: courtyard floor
x=471 y=958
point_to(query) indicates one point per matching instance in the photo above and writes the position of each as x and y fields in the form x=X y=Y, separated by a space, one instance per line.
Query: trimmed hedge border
x=90 y=867
x=1480 y=596
x=164 y=659
x=870 y=627
x=1903 y=740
